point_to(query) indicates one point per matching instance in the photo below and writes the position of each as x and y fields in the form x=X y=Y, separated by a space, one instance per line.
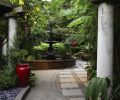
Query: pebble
x=9 y=94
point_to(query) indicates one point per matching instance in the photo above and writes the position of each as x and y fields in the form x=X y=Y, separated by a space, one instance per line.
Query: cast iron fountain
x=50 y=54
x=50 y=58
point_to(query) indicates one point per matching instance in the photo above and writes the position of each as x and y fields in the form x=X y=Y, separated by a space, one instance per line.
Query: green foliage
x=59 y=48
x=115 y=95
x=17 y=2
x=3 y=62
x=32 y=79
x=98 y=88
x=3 y=24
x=75 y=19
x=91 y=69
x=81 y=20
x=17 y=56
x=7 y=79
x=41 y=47
x=3 y=34
x=77 y=37
x=20 y=54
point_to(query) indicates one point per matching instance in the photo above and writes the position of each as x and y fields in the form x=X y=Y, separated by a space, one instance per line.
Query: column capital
x=15 y=11
x=107 y=1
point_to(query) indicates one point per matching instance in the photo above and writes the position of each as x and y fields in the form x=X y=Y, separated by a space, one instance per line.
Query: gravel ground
x=9 y=94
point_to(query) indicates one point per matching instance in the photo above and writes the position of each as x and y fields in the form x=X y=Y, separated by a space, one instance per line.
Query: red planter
x=23 y=72
x=74 y=43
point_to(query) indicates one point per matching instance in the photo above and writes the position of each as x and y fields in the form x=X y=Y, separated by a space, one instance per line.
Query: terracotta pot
x=23 y=72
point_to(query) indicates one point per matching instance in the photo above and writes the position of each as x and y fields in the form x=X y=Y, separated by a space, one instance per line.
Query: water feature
x=51 y=53
x=50 y=59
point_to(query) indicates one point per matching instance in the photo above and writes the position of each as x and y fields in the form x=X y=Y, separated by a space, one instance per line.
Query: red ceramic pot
x=74 y=43
x=23 y=72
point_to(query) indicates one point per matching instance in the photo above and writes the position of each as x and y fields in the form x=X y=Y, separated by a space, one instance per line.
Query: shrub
x=60 y=48
x=41 y=47
x=7 y=79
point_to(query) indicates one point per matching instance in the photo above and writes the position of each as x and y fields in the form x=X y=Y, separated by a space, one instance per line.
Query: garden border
x=23 y=93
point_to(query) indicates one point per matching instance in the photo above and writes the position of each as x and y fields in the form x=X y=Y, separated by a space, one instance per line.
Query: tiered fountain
x=51 y=59
x=50 y=54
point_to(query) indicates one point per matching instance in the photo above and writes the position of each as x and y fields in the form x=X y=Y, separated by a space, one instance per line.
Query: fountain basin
x=51 y=64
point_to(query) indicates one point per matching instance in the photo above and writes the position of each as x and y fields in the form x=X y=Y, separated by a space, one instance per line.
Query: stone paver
x=82 y=75
x=67 y=80
x=65 y=73
x=69 y=85
x=66 y=70
x=65 y=76
x=76 y=98
x=72 y=92
x=80 y=67
x=79 y=70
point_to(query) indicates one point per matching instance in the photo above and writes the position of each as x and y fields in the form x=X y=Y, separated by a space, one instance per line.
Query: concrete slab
x=66 y=80
x=65 y=76
x=69 y=85
x=72 y=92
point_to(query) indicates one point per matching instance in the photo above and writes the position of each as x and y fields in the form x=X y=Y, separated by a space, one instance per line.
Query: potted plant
x=22 y=69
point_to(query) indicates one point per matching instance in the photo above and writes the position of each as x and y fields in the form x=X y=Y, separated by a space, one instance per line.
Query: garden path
x=62 y=84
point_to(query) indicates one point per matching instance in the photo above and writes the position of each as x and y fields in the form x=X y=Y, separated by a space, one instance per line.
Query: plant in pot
x=22 y=69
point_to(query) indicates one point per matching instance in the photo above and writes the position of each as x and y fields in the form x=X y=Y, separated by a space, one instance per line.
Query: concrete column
x=105 y=40
x=12 y=31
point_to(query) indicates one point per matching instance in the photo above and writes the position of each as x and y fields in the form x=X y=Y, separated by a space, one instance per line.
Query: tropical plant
x=98 y=88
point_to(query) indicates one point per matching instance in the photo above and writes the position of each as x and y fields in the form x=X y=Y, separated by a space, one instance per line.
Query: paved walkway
x=62 y=84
